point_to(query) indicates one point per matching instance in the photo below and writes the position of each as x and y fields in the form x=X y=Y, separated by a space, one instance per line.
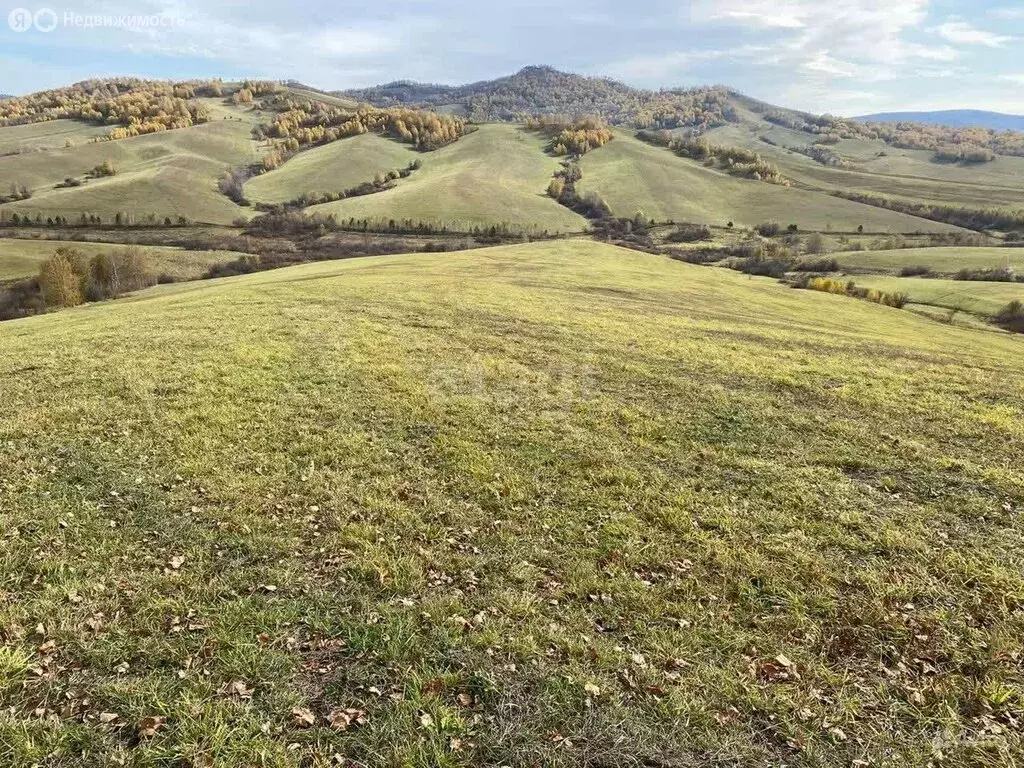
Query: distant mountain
x=5 y=96
x=954 y=118
x=546 y=91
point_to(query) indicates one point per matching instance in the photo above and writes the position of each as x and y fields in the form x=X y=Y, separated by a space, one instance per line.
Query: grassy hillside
x=947 y=261
x=54 y=134
x=881 y=169
x=21 y=258
x=173 y=173
x=555 y=504
x=634 y=176
x=498 y=174
x=980 y=298
x=333 y=167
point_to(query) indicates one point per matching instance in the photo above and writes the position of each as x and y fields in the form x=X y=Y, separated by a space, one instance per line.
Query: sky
x=846 y=57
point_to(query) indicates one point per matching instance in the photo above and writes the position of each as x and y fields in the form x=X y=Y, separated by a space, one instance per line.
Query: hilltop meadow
x=538 y=422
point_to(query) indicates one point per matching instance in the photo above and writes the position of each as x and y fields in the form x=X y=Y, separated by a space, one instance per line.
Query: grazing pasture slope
x=552 y=504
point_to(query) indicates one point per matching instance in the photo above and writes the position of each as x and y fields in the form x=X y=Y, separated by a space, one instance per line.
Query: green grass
x=634 y=176
x=980 y=298
x=40 y=137
x=880 y=169
x=947 y=261
x=173 y=173
x=333 y=167
x=499 y=174
x=21 y=258
x=556 y=504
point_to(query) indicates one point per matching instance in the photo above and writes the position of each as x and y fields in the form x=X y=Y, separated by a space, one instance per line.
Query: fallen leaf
x=341 y=719
x=240 y=689
x=107 y=717
x=592 y=689
x=426 y=720
x=148 y=726
x=176 y=562
x=302 y=717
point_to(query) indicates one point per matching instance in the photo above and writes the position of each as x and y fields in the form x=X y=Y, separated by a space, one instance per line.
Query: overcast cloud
x=842 y=56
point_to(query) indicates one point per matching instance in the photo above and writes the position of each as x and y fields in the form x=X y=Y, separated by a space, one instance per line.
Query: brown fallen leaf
x=107 y=717
x=302 y=717
x=239 y=689
x=341 y=719
x=465 y=699
x=148 y=726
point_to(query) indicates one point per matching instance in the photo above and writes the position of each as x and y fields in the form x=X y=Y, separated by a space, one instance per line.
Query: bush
x=850 y=288
x=769 y=229
x=817 y=265
x=992 y=275
x=690 y=233
x=60 y=279
x=916 y=270
x=1011 y=316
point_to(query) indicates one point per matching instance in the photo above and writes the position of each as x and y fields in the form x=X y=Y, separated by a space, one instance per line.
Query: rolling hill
x=957 y=118
x=21 y=258
x=332 y=167
x=631 y=175
x=518 y=506
x=496 y=175
x=166 y=174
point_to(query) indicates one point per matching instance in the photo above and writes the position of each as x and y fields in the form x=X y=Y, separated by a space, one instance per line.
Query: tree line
x=303 y=123
x=545 y=91
x=119 y=219
x=999 y=219
x=971 y=145
x=69 y=278
x=735 y=161
x=568 y=136
x=130 y=105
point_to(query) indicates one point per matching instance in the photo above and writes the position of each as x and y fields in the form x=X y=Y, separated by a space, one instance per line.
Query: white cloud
x=1016 y=79
x=1008 y=13
x=962 y=33
x=822 y=63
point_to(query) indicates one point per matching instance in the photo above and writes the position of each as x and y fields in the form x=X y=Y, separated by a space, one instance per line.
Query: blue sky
x=841 y=56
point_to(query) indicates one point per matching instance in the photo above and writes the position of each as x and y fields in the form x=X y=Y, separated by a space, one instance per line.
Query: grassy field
x=40 y=137
x=496 y=175
x=946 y=261
x=634 y=176
x=333 y=167
x=173 y=173
x=21 y=258
x=556 y=504
x=878 y=168
x=980 y=298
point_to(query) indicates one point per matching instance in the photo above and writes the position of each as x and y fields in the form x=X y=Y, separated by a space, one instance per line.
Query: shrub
x=690 y=233
x=769 y=229
x=1011 y=316
x=850 y=288
x=817 y=265
x=817 y=244
x=59 y=283
x=992 y=274
x=916 y=270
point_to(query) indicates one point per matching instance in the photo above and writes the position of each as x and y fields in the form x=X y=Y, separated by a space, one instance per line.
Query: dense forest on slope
x=546 y=91
x=537 y=91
